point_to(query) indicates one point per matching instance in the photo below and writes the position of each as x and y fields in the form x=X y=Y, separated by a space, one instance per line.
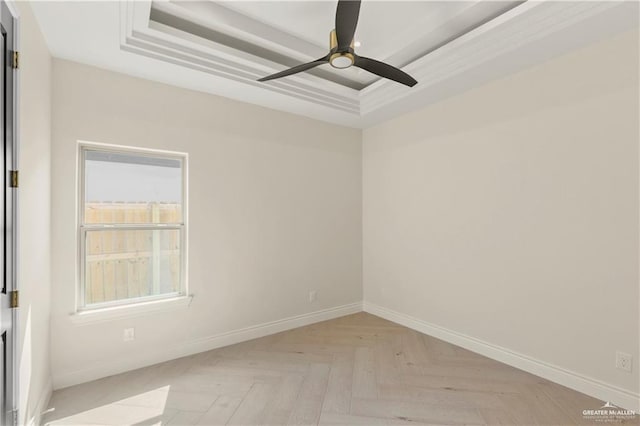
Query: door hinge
x=15 y=59
x=15 y=417
x=13 y=178
x=14 y=300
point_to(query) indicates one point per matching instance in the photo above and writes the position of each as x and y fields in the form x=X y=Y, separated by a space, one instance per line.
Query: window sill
x=129 y=311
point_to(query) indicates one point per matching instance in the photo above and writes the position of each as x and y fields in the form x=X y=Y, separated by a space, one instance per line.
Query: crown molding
x=510 y=33
x=175 y=48
x=137 y=36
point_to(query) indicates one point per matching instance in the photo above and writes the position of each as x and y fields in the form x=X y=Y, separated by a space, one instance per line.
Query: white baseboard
x=35 y=417
x=587 y=385
x=70 y=378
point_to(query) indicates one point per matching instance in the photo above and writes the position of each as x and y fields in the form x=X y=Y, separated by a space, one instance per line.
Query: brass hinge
x=13 y=178
x=15 y=60
x=14 y=299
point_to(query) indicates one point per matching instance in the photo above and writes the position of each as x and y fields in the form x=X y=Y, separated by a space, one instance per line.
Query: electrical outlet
x=623 y=361
x=129 y=334
x=313 y=295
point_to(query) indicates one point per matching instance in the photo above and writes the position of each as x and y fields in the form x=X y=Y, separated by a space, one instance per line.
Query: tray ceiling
x=288 y=33
x=223 y=47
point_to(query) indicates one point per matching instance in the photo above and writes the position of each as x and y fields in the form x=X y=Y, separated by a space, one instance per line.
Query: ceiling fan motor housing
x=339 y=59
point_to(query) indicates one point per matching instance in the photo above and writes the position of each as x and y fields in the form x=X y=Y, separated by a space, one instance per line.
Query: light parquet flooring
x=354 y=370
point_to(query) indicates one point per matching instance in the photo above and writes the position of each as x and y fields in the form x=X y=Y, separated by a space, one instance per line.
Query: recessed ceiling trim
x=138 y=37
x=524 y=24
x=234 y=25
x=286 y=88
x=230 y=69
x=227 y=21
x=171 y=18
x=418 y=41
x=508 y=32
x=120 y=37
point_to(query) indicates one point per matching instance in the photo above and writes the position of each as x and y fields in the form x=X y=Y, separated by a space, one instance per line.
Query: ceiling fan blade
x=384 y=70
x=296 y=69
x=347 y=14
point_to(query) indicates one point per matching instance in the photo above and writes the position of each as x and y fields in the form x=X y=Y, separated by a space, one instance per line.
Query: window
x=132 y=226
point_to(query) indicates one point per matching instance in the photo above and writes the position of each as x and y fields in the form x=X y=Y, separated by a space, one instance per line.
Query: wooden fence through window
x=123 y=264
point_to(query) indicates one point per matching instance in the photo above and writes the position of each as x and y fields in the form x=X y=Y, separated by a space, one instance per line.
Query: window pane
x=131 y=188
x=125 y=264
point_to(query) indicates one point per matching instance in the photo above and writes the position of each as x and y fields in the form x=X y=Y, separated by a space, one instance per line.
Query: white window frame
x=82 y=229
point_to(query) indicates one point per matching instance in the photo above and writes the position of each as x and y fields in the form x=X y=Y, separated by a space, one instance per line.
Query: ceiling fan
x=341 y=54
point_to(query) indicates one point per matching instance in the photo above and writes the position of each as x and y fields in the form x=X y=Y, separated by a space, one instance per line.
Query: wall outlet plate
x=624 y=361
x=129 y=334
x=313 y=295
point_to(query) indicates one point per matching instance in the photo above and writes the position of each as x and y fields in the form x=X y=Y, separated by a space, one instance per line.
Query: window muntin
x=132 y=226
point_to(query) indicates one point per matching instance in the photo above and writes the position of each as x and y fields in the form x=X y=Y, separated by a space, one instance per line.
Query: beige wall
x=510 y=213
x=275 y=211
x=34 y=228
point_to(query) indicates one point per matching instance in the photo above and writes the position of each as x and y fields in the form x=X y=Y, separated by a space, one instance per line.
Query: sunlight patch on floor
x=143 y=409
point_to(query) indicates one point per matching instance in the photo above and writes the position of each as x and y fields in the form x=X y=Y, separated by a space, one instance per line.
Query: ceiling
x=288 y=33
x=223 y=47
